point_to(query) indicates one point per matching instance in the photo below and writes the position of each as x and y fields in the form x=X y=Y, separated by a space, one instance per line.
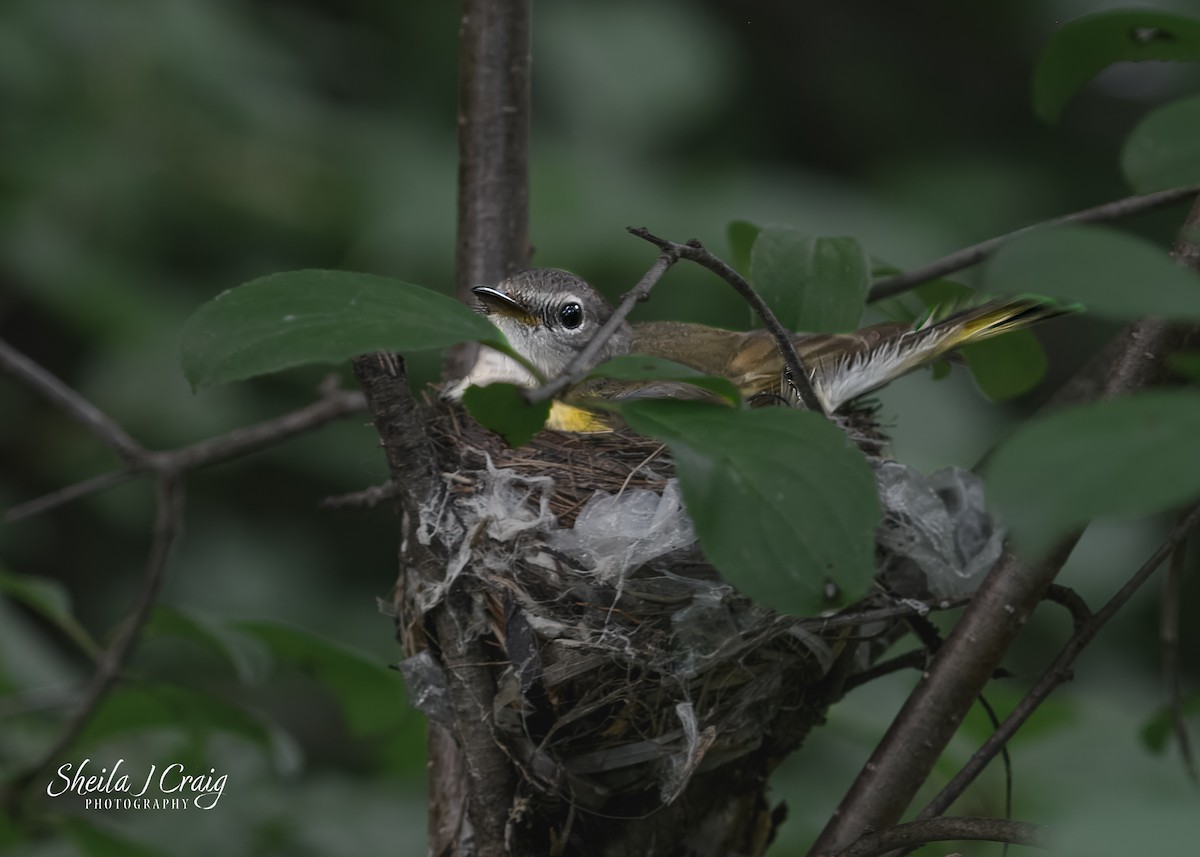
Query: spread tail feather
x=840 y=378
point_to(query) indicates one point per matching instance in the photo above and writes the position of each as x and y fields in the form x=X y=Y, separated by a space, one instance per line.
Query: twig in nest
x=976 y=253
x=696 y=252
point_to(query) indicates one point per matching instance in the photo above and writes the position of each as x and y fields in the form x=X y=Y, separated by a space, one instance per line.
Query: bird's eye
x=571 y=315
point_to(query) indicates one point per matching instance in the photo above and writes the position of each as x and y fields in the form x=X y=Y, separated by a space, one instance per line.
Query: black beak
x=494 y=300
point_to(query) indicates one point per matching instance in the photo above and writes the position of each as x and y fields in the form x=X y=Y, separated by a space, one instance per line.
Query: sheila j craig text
x=173 y=788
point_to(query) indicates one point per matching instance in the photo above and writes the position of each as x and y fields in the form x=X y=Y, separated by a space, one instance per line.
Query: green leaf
x=1186 y=363
x=211 y=636
x=50 y=600
x=644 y=368
x=1112 y=273
x=1164 y=149
x=781 y=499
x=1157 y=731
x=301 y=317
x=133 y=708
x=1123 y=457
x=813 y=284
x=1082 y=48
x=742 y=235
x=371 y=695
x=504 y=409
x=1007 y=366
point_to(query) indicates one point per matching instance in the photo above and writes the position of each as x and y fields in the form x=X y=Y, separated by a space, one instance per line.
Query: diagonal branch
x=581 y=364
x=976 y=253
x=1059 y=671
x=905 y=756
x=696 y=252
x=332 y=405
x=41 y=380
x=918 y=833
x=167 y=526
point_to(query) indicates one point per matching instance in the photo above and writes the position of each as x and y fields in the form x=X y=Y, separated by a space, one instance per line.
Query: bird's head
x=549 y=315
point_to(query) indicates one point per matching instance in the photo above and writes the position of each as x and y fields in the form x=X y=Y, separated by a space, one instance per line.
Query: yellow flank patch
x=564 y=417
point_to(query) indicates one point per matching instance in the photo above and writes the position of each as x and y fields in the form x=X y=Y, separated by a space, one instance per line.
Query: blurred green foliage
x=156 y=152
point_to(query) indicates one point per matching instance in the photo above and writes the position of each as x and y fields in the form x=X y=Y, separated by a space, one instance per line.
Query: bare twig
x=581 y=364
x=167 y=525
x=914 y=660
x=1059 y=671
x=696 y=252
x=331 y=406
x=1065 y=596
x=849 y=619
x=1169 y=642
x=975 y=254
x=78 y=408
x=367 y=498
x=917 y=833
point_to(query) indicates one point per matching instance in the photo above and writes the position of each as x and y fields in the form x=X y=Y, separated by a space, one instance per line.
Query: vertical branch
x=493 y=150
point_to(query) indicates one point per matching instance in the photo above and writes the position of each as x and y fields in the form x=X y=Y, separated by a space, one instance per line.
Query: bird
x=548 y=315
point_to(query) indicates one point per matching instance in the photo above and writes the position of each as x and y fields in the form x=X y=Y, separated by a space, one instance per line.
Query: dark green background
x=155 y=153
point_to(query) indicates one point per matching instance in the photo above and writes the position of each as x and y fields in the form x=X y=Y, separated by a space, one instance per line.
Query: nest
x=624 y=677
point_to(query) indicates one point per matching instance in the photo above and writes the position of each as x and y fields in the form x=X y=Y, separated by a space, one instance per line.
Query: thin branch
x=917 y=833
x=976 y=253
x=880 y=614
x=1169 y=641
x=1059 y=671
x=367 y=498
x=1065 y=596
x=168 y=524
x=914 y=660
x=696 y=252
x=581 y=364
x=331 y=406
x=41 y=380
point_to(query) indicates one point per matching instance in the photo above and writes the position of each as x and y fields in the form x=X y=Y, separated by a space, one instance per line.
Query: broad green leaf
x=1158 y=730
x=782 y=501
x=133 y=708
x=1111 y=273
x=301 y=317
x=1186 y=363
x=50 y=599
x=1082 y=48
x=1118 y=458
x=504 y=409
x=1007 y=366
x=813 y=284
x=644 y=368
x=99 y=842
x=211 y=636
x=371 y=695
x=742 y=235
x=1164 y=149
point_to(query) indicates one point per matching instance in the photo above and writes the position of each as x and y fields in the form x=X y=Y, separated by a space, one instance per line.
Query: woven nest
x=620 y=682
